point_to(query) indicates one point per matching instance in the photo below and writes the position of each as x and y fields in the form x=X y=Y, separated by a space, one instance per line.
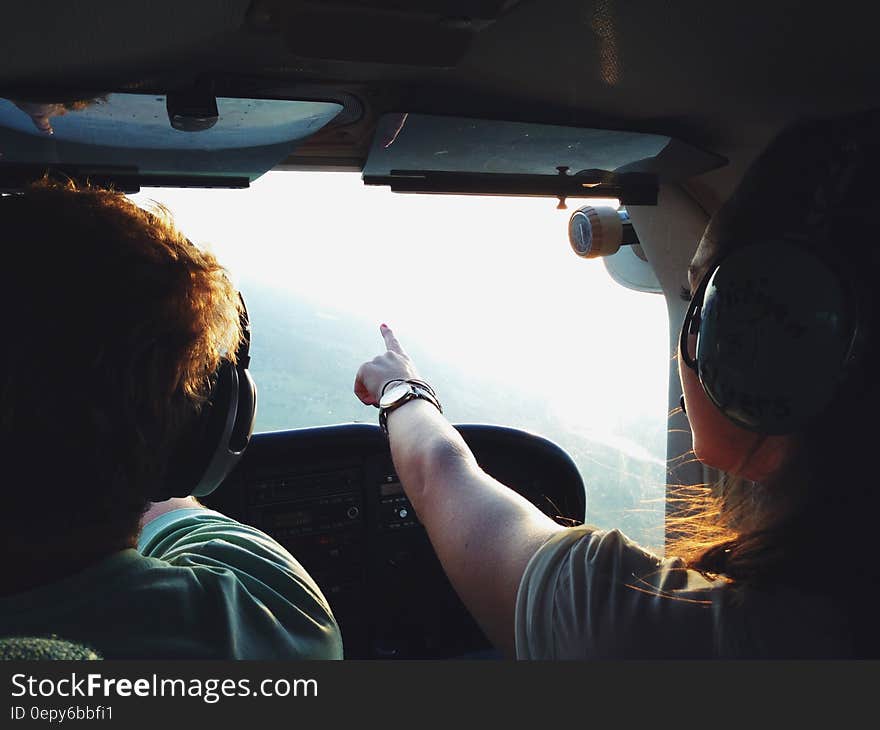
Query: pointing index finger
x=390 y=340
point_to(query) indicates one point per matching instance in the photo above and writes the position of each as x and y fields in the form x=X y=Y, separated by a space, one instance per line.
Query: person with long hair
x=776 y=360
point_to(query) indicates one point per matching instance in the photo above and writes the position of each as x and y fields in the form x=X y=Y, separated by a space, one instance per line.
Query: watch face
x=394 y=394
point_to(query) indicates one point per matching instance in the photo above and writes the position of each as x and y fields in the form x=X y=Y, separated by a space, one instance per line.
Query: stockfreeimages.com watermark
x=210 y=690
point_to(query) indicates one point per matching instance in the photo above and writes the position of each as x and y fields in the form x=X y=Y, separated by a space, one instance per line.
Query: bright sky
x=487 y=283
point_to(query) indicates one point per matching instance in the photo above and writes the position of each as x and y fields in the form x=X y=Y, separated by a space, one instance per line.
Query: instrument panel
x=330 y=495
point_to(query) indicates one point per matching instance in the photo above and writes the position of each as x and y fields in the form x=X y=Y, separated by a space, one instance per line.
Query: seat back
x=35 y=648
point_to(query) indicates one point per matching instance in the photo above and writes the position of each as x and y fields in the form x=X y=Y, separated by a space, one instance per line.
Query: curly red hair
x=117 y=323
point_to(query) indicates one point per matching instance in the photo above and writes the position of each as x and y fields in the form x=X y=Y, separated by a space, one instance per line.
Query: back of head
x=116 y=324
x=812 y=524
x=813 y=175
x=815 y=185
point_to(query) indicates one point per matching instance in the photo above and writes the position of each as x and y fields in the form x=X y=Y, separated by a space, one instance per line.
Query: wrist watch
x=401 y=393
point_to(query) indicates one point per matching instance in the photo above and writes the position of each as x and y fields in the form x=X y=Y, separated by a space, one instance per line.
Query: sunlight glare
x=487 y=283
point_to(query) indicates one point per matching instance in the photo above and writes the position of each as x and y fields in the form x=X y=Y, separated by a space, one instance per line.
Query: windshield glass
x=499 y=315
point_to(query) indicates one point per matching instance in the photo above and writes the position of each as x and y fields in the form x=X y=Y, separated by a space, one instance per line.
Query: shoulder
x=589 y=593
x=247 y=581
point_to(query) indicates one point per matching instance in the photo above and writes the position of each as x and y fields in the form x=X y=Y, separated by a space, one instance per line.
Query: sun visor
x=455 y=155
x=138 y=139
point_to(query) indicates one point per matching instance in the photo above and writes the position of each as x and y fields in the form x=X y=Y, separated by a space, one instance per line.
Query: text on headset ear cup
x=776 y=329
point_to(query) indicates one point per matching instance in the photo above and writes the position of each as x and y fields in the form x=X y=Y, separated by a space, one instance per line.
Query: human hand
x=394 y=364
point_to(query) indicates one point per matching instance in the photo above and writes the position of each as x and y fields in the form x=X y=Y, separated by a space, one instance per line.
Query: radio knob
x=352 y=512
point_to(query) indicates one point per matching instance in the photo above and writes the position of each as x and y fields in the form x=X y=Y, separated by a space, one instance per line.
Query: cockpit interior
x=630 y=122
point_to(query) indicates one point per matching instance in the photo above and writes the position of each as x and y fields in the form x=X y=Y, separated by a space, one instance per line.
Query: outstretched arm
x=483 y=532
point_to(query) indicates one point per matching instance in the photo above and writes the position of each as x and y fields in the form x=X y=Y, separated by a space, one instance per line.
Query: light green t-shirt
x=594 y=594
x=199 y=586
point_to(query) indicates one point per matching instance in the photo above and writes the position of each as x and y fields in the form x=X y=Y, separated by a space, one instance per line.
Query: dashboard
x=331 y=497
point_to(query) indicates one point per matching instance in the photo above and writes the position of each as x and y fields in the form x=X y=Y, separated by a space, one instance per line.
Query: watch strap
x=414 y=381
x=418 y=389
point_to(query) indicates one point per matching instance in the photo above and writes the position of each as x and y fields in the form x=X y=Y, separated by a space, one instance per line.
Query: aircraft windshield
x=485 y=293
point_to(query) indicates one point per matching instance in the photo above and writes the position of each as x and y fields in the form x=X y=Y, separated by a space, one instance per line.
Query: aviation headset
x=781 y=327
x=223 y=430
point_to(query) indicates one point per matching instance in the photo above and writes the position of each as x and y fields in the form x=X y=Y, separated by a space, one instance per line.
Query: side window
x=486 y=295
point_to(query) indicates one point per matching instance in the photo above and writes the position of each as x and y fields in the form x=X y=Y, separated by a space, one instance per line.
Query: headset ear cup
x=217 y=460
x=694 y=328
x=216 y=444
x=238 y=425
x=775 y=332
x=246 y=413
x=188 y=468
